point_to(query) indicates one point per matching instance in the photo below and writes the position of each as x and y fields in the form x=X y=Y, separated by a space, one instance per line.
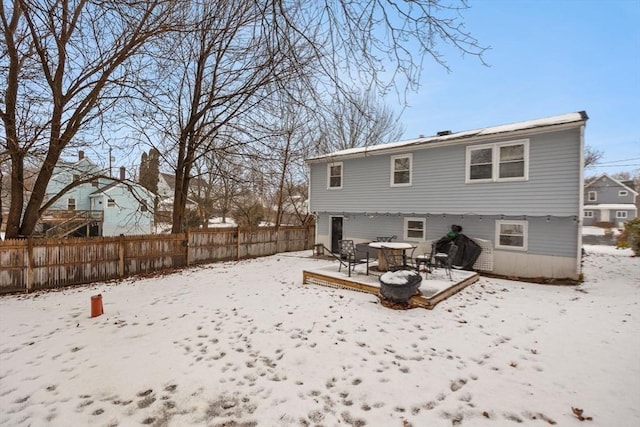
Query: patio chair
x=349 y=257
x=425 y=259
x=444 y=259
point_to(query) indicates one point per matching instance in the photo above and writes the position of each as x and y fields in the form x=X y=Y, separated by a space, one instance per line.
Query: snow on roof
x=562 y=119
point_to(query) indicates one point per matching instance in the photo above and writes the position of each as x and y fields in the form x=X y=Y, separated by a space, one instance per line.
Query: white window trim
x=329 y=187
x=525 y=235
x=623 y=193
x=75 y=204
x=621 y=214
x=495 y=162
x=594 y=194
x=406 y=229
x=393 y=163
x=588 y=214
x=111 y=205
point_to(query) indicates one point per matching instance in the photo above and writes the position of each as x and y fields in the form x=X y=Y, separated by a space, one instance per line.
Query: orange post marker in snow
x=96 y=305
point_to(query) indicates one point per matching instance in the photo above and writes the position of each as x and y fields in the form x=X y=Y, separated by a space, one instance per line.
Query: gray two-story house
x=516 y=187
x=607 y=200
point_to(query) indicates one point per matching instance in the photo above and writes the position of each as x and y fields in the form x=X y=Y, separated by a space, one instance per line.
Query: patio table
x=393 y=246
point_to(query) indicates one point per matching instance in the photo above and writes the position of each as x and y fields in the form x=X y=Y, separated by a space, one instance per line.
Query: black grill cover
x=467 y=254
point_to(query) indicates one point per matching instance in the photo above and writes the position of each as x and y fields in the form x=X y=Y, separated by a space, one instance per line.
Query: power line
x=614 y=166
x=618 y=161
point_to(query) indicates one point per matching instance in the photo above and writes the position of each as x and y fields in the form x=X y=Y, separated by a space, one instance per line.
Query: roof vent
x=444 y=133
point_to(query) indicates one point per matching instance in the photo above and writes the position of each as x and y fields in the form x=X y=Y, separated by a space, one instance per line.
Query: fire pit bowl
x=399 y=286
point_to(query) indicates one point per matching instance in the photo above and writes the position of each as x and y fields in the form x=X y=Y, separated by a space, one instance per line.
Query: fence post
x=121 y=247
x=30 y=264
x=238 y=243
x=310 y=236
x=186 y=248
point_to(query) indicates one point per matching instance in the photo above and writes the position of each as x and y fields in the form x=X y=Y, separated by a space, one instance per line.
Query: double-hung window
x=621 y=214
x=401 y=168
x=511 y=235
x=71 y=204
x=111 y=203
x=414 y=228
x=592 y=196
x=505 y=161
x=334 y=175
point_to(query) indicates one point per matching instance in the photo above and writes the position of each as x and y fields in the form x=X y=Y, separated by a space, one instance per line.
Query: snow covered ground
x=245 y=344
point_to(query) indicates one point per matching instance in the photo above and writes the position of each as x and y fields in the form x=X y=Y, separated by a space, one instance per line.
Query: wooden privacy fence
x=35 y=263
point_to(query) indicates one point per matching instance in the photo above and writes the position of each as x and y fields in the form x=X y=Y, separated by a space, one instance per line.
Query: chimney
x=80 y=155
x=122 y=173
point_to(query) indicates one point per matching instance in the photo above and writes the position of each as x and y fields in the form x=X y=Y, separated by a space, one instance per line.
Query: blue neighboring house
x=517 y=188
x=101 y=206
x=607 y=200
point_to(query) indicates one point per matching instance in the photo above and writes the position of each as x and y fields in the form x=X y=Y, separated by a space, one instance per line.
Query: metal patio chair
x=349 y=257
x=444 y=259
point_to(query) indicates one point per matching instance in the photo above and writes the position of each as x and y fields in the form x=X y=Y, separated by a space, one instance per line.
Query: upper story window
x=511 y=234
x=95 y=183
x=505 y=161
x=334 y=175
x=76 y=177
x=623 y=193
x=71 y=204
x=414 y=228
x=111 y=203
x=592 y=196
x=143 y=207
x=401 y=168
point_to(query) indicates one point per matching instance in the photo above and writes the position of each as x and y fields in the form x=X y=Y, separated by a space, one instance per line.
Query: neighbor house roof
x=577 y=118
x=107 y=188
x=621 y=184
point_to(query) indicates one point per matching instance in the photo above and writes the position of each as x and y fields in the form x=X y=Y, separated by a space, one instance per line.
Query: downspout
x=309 y=210
x=580 y=204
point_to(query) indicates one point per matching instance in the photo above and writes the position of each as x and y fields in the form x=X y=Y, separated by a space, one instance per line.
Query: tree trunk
x=17 y=195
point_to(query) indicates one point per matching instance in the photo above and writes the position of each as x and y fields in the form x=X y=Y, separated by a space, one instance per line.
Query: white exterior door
x=605 y=215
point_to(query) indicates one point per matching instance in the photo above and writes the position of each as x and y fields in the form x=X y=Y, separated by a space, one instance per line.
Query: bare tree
x=357 y=120
x=383 y=43
x=225 y=65
x=64 y=64
x=591 y=156
x=67 y=64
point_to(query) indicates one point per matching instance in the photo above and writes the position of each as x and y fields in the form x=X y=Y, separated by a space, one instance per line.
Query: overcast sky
x=547 y=57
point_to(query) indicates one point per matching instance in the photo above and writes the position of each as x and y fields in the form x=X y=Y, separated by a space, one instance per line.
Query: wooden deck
x=435 y=288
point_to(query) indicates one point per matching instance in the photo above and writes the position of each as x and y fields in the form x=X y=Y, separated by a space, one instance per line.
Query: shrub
x=631 y=236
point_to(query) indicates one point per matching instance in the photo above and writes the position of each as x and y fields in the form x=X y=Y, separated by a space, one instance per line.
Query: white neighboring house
x=103 y=207
x=608 y=200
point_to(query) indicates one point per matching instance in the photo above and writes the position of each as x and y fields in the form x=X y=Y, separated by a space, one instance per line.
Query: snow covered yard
x=245 y=344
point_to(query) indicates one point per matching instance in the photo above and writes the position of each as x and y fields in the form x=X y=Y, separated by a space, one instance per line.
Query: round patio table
x=394 y=246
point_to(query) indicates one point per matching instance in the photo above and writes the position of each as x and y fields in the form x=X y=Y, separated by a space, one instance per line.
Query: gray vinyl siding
x=557 y=237
x=553 y=187
x=608 y=192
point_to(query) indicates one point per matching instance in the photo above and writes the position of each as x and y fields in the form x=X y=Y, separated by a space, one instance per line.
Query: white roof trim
x=625 y=206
